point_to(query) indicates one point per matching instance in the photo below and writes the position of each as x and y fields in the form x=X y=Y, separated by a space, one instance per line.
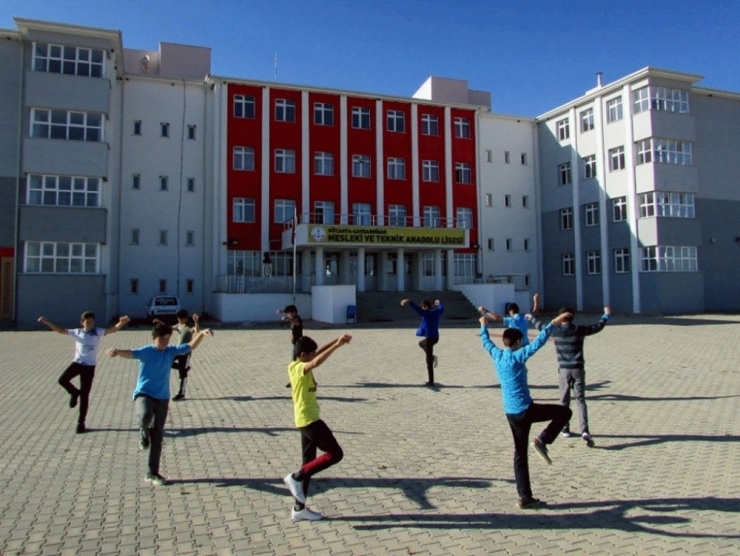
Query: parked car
x=162 y=306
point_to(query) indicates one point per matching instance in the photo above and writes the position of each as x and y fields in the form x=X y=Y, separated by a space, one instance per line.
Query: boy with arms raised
x=521 y=411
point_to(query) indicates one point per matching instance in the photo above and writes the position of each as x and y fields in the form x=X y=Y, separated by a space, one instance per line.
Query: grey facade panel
x=667 y=177
x=621 y=293
x=87 y=225
x=719 y=254
x=672 y=125
x=558 y=289
x=68 y=158
x=61 y=298
x=669 y=231
x=10 y=85
x=67 y=92
x=69 y=40
x=8 y=202
x=672 y=292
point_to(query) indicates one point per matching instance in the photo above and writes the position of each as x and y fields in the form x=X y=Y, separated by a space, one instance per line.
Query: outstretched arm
x=54 y=327
x=535 y=304
x=490 y=314
x=196 y=323
x=115 y=352
x=198 y=338
x=123 y=321
x=530 y=349
x=326 y=351
x=595 y=328
x=485 y=339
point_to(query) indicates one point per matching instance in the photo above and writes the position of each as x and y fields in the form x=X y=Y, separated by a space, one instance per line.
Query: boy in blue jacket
x=520 y=409
x=428 y=329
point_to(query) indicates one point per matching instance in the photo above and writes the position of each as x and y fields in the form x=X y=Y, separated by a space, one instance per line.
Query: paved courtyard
x=425 y=471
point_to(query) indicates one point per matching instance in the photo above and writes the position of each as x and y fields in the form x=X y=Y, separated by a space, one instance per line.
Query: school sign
x=443 y=238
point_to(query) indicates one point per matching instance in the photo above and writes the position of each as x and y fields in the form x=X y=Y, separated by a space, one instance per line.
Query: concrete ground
x=425 y=472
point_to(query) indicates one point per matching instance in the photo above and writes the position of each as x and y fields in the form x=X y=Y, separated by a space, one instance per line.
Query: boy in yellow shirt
x=314 y=432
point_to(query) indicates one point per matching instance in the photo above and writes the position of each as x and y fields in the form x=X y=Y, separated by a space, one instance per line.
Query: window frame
x=44 y=186
x=361 y=117
x=283 y=207
x=396 y=168
x=58 y=62
x=245 y=107
x=590 y=215
x=241 y=157
x=463 y=173
x=589 y=167
x=430 y=125
x=284 y=161
x=619 y=209
x=568 y=264
x=614 y=110
x=566 y=218
x=359 y=162
x=73 y=254
x=462 y=127
x=285 y=110
x=430 y=171
x=622 y=260
x=240 y=211
x=323 y=113
x=587 y=120
x=46 y=124
x=323 y=163
x=565 y=175
x=593 y=263
x=395 y=121
x=562 y=128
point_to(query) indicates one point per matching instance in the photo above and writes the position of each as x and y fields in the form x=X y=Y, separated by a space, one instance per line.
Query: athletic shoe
x=528 y=503
x=73 y=400
x=565 y=434
x=143 y=443
x=430 y=384
x=436 y=361
x=304 y=515
x=179 y=397
x=588 y=439
x=541 y=449
x=296 y=489
x=288 y=385
x=155 y=479
x=81 y=428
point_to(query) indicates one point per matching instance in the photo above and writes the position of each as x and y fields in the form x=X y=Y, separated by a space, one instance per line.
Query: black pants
x=520 y=424
x=427 y=344
x=313 y=436
x=86 y=374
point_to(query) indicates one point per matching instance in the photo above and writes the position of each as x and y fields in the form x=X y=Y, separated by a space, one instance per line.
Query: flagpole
x=295 y=223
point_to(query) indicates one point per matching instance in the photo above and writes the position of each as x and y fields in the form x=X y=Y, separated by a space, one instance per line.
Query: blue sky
x=531 y=55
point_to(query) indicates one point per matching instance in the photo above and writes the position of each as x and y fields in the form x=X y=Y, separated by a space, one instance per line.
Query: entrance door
x=331 y=265
x=6 y=288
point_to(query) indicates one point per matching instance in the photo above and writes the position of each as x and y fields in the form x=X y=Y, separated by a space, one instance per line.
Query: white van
x=163 y=305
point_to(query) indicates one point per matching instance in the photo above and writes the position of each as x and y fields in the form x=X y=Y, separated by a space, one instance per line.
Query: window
x=396 y=121
x=591 y=214
x=509 y=244
x=566 y=218
x=136 y=181
x=616 y=159
x=137 y=127
x=507 y=201
x=243 y=158
x=507 y=157
x=614 y=109
x=463 y=172
x=285 y=161
x=462 y=128
x=619 y=209
x=360 y=117
x=525 y=201
x=526 y=245
x=593 y=262
x=396 y=215
x=284 y=210
x=360 y=166
x=66 y=124
x=589 y=167
x=396 y=169
x=323 y=164
x=430 y=170
x=190 y=238
x=431 y=217
x=563 y=129
x=667 y=151
x=429 y=124
x=669 y=259
x=133 y=286
x=162 y=237
x=323 y=212
x=162 y=285
x=564 y=173
x=163 y=183
x=323 y=113
x=361 y=214
x=665 y=203
x=661 y=98
x=61 y=257
x=243 y=210
x=641 y=98
x=63 y=191
x=464 y=218
x=284 y=110
x=489 y=155
x=189 y=285
x=69 y=60
x=164 y=129
x=489 y=199
x=134 y=236
x=524 y=159
x=490 y=244
x=244 y=106
x=191 y=185
x=568 y=264
x=465 y=264
x=621 y=260
x=587 y=120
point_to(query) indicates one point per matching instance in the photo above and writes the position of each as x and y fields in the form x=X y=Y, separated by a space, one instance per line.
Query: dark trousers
x=86 y=374
x=427 y=344
x=152 y=415
x=313 y=436
x=520 y=424
x=574 y=380
x=182 y=364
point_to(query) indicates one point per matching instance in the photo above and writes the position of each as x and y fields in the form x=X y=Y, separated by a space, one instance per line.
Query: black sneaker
x=528 y=503
x=81 y=428
x=179 y=397
x=155 y=479
x=288 y=385
x=588 y=439
x=541 y=449
x=73 y=400
x=143 y=443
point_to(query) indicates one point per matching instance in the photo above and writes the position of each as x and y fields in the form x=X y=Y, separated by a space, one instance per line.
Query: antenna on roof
x=276 y=67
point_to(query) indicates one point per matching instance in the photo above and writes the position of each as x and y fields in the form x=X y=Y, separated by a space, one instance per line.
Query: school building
x=128 y=173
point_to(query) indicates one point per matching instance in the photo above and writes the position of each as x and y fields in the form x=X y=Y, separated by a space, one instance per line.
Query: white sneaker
x=436 y=361
x=588 y=439
x=296 y=489
x=305 y=514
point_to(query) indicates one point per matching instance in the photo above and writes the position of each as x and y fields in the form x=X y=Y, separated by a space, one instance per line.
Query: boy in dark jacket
x=429 y=329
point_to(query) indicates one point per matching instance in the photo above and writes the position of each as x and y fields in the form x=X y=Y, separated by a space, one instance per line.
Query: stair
x=386 y=306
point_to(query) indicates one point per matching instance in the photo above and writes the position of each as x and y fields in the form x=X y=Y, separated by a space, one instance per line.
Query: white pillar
x=438 y=285
x=400 y=270
x=320 y=266
x=360 y=269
